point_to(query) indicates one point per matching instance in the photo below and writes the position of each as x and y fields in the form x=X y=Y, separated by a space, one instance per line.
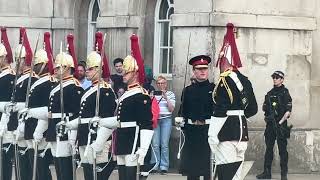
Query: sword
x=95 y=173
x=138 y=168
x=60 y=132
x=12 y=103
x=27 y=105
x=1 y=144
x=35 y=158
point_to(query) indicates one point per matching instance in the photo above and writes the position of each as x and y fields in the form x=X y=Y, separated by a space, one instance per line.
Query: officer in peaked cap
x=62 y=143
x=195 y=113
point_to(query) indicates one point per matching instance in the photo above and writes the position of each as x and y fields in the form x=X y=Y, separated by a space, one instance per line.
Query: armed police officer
x=277 y=108
x=64 y=105
x=97 y=128
x=7 y=77
x=196 y=110
x=235 y=101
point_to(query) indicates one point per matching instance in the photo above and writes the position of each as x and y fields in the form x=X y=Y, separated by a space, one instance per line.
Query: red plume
x=48 y=49
x=72 y=53
x=26 y=45
x=229 y=42
x=5 y=41
x=135 y=52
x=99 y=44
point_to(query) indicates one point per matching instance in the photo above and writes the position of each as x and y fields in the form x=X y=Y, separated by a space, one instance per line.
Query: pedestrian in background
x=85 y=83
x=160 y=141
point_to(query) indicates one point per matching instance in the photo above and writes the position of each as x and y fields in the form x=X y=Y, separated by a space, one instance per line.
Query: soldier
x=235 y=101
x=135 y=117
x=100 y=142
x=65 y=108
x=37 y=111
x=7 y=76
x=277 y=108
x=23 y=55
x=196 y=110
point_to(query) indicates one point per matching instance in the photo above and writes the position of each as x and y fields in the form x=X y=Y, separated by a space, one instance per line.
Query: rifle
x=282 y=131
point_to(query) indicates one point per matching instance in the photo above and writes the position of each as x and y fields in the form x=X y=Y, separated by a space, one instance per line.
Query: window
x=163 y=49
x=92 y=21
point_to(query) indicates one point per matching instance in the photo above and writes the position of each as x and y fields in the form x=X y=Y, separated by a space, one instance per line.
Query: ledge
x=109 y=22
x=118 y=22
x=37 y=23
x=243 y=20
x=28 y=22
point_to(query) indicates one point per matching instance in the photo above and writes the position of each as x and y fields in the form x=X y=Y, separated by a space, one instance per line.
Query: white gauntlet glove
x=179 y=122
x=39 y=113
x=102 y=136
x=145 y=141
x=109 y=122
x=42 y=126
x=215 y=126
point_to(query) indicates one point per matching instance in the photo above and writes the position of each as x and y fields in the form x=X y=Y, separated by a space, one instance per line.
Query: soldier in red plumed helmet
x=235 y=102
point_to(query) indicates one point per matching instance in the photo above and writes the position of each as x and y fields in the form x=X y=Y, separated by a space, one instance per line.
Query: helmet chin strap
x=42 y=68
x=95 y=74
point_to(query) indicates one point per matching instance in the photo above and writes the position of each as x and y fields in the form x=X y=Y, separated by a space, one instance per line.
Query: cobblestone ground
x=172 y=176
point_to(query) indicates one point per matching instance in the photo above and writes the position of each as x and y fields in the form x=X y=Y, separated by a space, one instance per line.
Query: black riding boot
x=265 y=175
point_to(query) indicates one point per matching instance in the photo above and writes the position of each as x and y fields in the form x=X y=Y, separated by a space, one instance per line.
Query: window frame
x=92 y=26
x=157 y=40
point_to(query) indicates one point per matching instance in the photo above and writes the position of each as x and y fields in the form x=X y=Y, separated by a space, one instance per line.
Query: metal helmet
x=93 y=60
x=40 y=57
x=64 y=59
x=130 y=64
x=3 y=51
x=22 y=49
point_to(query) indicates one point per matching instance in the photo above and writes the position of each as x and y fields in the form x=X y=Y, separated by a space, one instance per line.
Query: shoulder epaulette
x=35 y=75
x=76 y=82
x=144 y=91
x=52 y=79
x=226 y=73
x=106 y=85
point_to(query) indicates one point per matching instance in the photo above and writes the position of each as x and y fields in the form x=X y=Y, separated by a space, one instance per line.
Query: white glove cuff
x=39 y=113
x=42 y=126
x=73 y=124
x=2 y=105
x=215 y=126
x=109 y=122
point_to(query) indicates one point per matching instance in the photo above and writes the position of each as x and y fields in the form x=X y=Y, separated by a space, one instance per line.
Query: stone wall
x=272 y=35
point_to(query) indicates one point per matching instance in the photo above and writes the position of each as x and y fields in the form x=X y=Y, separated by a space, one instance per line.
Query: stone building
x=272 y=35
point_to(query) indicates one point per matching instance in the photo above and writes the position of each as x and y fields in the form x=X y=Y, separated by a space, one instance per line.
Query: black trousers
x=104 y=175
x=129 y=173
x=25 y=164
x=7 y=159
x=271 y=135
x=227 y=171
x=43 y=172
x=63 y=168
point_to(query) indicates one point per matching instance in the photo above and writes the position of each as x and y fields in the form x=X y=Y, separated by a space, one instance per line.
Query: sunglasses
x=276 y=77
